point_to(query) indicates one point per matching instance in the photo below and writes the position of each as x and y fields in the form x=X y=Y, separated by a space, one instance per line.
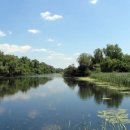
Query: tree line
x=11 y=65
x=109 y=59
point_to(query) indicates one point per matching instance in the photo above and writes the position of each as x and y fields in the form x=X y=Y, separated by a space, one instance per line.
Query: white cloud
x=2 y=34
x=51 y=40
x=34 y=31
x=93 y=2
x=50 y=17
x=48 y=56
x=55 y=58
x=9 y=48
x=40 y=50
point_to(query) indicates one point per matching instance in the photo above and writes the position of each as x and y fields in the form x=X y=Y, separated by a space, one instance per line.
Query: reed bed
x=118 y=79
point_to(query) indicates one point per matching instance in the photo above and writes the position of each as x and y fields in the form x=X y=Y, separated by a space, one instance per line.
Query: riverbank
x=104 y=84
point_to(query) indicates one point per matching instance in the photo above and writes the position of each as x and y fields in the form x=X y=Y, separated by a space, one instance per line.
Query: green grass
x=118 y=79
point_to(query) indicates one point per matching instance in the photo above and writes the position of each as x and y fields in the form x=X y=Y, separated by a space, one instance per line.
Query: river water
x=53 y=103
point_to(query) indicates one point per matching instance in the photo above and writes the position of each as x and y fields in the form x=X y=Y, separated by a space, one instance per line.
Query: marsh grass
x=118 y=79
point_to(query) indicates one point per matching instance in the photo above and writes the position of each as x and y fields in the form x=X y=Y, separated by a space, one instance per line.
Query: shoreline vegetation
x=108 y=67
x=105 y=84
x=12 y=66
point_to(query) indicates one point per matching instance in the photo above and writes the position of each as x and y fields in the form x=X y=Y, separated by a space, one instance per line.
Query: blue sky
x=57 y=31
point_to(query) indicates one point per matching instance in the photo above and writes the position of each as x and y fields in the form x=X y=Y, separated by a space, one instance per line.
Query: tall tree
x=113 y=51
x=98 y=56
x=84 y=61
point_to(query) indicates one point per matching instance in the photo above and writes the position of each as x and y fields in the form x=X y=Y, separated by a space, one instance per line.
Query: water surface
x=53 y=103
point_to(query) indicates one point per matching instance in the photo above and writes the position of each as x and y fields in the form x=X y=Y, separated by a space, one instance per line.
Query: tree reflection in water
x=86 y=90
x=11 y=86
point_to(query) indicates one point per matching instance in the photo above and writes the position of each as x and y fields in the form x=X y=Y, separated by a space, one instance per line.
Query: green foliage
x=118 y=79
x=84 y=59
x=113 y=51
x=11 y=65
x=83 y=71
x=70 y=71
x=98 y=56
x=109 y=59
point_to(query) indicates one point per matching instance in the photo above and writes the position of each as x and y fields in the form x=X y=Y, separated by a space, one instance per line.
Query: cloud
x=33 y=31
x=93 y=2
x=2 y=34
x=51 y=40
x=9 y=48
x=48 y=56
x=40 y=50
x=50 y=17
x=53 y=55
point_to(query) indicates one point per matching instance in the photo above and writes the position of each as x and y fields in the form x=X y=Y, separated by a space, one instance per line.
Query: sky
x=57 y=31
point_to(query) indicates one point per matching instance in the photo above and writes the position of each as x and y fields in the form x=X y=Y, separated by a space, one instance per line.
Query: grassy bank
x=120 y=81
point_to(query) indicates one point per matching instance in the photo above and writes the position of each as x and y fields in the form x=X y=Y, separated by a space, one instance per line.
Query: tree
x=108 y=65
x=85 y=61
x=11 y=65
x=98 y=56
x=113 y=51
x=70 y=71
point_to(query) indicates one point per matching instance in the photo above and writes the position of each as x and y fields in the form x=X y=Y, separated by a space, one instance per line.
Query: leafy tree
x=11 y=65
x=108 y=65
x=70 y=71
x=113 y=51
x=98 y=56
x=109 y=59
x=84 y=60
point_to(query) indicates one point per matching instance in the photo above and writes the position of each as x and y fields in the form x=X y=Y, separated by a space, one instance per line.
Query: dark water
x=54 y=103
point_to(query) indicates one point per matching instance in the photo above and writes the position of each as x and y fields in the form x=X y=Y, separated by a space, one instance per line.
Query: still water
x=53 y=103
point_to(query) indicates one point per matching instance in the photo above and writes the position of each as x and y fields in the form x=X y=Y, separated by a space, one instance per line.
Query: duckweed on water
x=116 y=119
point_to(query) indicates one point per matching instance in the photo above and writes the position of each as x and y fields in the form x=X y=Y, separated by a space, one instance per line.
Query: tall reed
x=119 y=79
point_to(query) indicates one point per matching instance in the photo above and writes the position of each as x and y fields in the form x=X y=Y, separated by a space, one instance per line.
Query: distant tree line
x=11 y=65
x=109 y=59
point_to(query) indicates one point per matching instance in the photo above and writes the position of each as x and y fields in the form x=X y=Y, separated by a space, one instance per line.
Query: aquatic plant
x=116 y=119
x=118 y=79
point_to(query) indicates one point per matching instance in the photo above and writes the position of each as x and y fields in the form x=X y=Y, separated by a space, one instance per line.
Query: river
x=51 y=102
